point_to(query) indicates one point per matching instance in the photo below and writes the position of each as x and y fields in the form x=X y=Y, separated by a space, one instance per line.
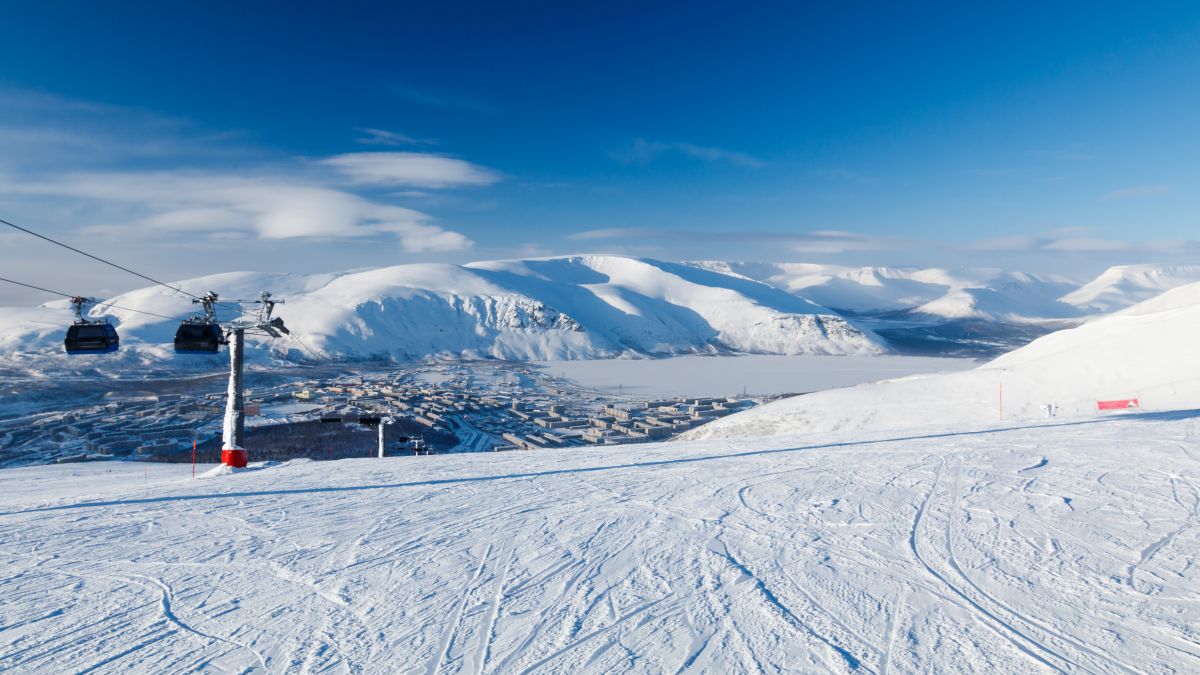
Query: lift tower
x=233 y=452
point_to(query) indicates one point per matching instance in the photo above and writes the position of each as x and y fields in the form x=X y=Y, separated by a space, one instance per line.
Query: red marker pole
x=193 y=458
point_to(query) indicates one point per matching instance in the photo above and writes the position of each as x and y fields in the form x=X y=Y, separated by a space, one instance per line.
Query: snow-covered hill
x=1147 y=352
x=1126 y=285
x=986 y=294
x=556 y=308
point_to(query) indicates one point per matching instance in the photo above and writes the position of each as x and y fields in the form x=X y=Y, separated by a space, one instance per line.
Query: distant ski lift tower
x=233 y=452
x=382 y=423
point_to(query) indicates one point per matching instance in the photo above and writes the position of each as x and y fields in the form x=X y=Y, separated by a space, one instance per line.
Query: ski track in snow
x=1030 y=550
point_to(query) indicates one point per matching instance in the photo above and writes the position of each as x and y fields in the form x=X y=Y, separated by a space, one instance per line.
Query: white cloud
x=835 y=241
x=819 y=241
x=1014 y=243
x=1139 y=191
x=1087 y=245
x=643 y=152
x=385 y=137
x=269 y=207
x=1079 y=240
x=412 y=169
x=442 y=99
x=616 y=233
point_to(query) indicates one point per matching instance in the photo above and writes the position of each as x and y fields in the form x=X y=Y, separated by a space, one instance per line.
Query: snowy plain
x=1066 y=546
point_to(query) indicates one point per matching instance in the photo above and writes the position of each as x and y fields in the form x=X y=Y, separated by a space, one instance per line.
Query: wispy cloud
x=390 y=138
x=1087 y=245
x=410 y=169
x=843 y=175
x=1081 y=241
x=223 y=205
x=818 y=241
x=39 y=129
x=1069 y=154
x=442 y=99
x=1139 y=191
x=76 y=159
x=643 y=152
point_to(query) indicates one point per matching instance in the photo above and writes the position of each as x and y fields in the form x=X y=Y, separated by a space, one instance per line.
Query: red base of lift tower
x=235 y=458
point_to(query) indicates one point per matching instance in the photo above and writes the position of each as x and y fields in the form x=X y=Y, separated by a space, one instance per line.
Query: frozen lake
x=754 y=374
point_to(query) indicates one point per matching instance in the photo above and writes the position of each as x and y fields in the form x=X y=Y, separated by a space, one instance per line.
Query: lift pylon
x=233 y=452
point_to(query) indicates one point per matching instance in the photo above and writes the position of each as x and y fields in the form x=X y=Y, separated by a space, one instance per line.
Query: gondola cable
x=98 y=258
x=99 y=304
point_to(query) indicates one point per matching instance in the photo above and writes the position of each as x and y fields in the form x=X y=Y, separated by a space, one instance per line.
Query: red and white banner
x=1121 y=404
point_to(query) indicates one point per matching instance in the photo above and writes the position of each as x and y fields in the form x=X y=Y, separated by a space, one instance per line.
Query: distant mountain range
x=595 y=306
x=982 y=294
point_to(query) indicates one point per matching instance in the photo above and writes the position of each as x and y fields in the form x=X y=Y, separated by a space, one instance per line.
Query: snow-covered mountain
x=981 y=294
x=963 y=294
x=1125 y=285
x=598 y=306
x=555 y=308
x=1147 y=352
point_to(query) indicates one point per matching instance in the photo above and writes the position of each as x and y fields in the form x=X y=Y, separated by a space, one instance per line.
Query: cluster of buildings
x=657 y=420
x=485 y=406
x=137 y=426
x=526 y=410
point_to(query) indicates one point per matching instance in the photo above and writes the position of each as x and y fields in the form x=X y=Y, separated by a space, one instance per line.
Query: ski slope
x=1065 y=547
x=1145 y=352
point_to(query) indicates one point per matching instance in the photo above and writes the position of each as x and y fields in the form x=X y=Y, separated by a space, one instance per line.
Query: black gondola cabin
x=91 y=338
x=197 y=337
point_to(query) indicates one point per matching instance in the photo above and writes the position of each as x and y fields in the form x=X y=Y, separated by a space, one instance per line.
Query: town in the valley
x=427 y=408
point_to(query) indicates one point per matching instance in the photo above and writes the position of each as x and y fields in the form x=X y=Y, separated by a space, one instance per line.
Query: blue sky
x=1056 y=137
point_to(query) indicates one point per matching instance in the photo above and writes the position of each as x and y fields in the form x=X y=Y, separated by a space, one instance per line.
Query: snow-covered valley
x=1057 y=547
x=928 y=523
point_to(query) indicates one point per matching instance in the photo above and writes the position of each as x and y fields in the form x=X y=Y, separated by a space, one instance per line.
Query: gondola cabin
x=91 y=338
x=198 y=337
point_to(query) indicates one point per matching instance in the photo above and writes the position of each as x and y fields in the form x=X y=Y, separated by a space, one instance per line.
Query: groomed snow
x=1068 y=547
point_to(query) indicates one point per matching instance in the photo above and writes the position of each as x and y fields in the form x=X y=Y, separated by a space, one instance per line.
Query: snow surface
x=1147 y=352
x=1066 y=547
x=555 y=308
